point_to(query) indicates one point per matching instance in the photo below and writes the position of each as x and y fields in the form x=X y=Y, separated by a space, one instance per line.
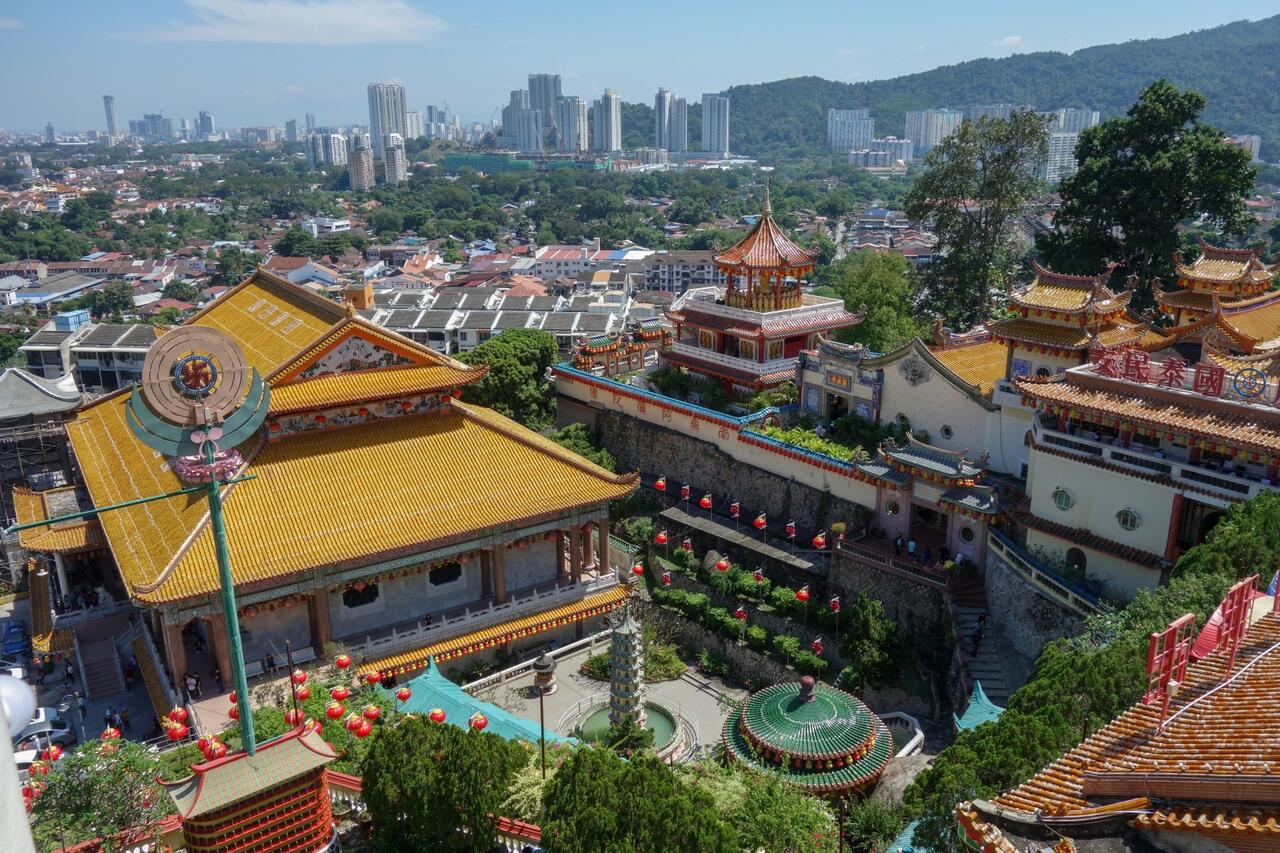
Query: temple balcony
x=1232 y=482
x=712 y=298
x=432 y=628
x=749 y=365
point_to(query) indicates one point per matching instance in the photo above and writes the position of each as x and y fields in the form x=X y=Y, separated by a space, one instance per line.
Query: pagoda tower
x=626 y=672
x=1223 y=275
x=749 y=336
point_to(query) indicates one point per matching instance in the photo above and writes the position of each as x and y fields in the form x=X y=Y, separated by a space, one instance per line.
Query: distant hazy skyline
x=262 y=63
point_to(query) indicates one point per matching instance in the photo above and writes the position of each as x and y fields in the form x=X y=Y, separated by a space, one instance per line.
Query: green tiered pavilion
x=812 y=735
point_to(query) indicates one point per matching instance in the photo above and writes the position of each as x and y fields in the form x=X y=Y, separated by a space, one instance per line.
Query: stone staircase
x=101 y=668
x=969 y=600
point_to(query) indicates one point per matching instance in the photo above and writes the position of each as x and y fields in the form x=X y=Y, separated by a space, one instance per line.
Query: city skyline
x=244 y=90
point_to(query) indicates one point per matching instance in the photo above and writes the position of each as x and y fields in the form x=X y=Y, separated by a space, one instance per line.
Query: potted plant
x=838 y=529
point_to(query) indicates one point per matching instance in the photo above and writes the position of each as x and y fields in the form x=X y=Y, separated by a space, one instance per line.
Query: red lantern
x=373 y=677
x=177 y=731
x=359 y=585
x=802 y=594
x=304 y=693
x=437 y=715
x=660 y=484
x=234 y=712
x=339 y=693
x=740 y=614
x=334 y=710
x=53 y=753
x=722 y=565
x=684 y=492
x=760 y=522
x=734 y=510
x=834 y=604
x=363 y=729
x=342 y=661
x=202 y=744
x=791 y=530
x=637 y=569
x=686 y=544
x=321 y=419
x=38 y=768
x=403 y=694
x=817 y=646
x=820 y=540
x=353 y=722
x=660 y=538
x=478 y=721
x=758 y=574
x=109 y=733
x=293 y=716
x=299 y=677
x=371 y=713
x=666 y=578
x=406 y=406
x=364 y=413
x=705 y=502
x=220 y=750
x=274 y=426
x=178 y=714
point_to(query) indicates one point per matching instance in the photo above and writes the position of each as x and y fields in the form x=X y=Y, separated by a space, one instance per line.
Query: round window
x=947 y=431
x=891 y=509
x=966 y=535
x=1062 y=499
x=1129 y=519
x=1042 y=372
x=1076 y=559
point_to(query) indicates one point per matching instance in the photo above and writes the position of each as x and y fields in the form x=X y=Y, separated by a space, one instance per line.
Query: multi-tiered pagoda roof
x=812 y=735
x=1230 y=275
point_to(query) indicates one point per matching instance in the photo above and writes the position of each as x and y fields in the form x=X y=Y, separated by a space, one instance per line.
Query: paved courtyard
x=704 y=701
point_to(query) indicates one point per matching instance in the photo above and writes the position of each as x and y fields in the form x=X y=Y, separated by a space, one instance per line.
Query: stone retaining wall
x=919 y=611
x=1027 y=620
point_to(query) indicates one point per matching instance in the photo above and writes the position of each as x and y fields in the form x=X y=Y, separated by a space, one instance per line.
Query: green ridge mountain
x=1236 y=66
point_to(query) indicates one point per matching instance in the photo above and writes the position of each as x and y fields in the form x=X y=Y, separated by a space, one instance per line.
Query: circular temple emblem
x=1249 y=382
x=195 y=375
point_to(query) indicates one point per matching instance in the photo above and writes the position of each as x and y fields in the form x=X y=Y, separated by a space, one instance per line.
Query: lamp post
x=544 y=681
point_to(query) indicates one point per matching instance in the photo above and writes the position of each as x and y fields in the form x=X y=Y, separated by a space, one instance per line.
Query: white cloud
x=272 y=93
x=311 y=22
x=10 y=24
x=845 y=51
x=1010 y=42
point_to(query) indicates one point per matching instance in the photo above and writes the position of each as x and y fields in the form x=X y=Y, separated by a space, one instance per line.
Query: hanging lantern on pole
x=339 y=693
x=705 y=502
x=684 y=492
x=740 y=614
x=178 y=714
x=791 y=530
x=403 y=694
x=234 y=712
x=834 y=604
x=761 y=522
x=802 y=594
x=637 y=569
x=735 y=510
x=817 y=646
x=437 y=715
x=298 y=677
x=363 y=729
x=660 y=538
x=687 y=544
x=722 y=565
x=660 y=484
x=304 y=693
x=342 y=661
x=293 y=716
x=371 y=713
x=666 y=578
x=334 y=710
x=373 y=677
x=820 y=540
x=478 y=721
x=758 y=575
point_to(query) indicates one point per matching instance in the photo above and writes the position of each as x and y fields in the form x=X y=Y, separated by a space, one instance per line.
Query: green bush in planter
x=757 y=637
x=783 y=599
x=786 y=645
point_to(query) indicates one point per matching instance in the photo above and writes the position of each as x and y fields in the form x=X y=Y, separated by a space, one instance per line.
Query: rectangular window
x=360 y=597
x=448 y=573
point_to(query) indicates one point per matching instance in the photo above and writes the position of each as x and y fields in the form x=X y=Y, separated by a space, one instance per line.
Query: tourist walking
x=897 y=545
x=911 y=547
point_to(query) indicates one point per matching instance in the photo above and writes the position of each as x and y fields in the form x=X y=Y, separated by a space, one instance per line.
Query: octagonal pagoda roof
x=766 y=247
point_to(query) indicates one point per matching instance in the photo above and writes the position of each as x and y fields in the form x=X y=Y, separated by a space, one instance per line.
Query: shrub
x=783 y=599
x=757 y=637
x=786 y=646
x=807 y=662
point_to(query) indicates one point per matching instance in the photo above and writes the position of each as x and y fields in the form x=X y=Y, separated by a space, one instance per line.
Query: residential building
x=866 y=158
x=715 y=123
x=849 y=130
x=205 y=124
x=1250 y=142
x=101 y=356
x=517 y=102
x=311 y=123
x=528 y=130
x=1072 y=120
x=49 y=136
x=109 y=106
x=662 y=120
x=319 y=226
x=360 y=168
x=395 y=159
x=1060 y=161
x=571 y=124
x=291 y=130
x=57 y=287
x=991 y=111
x=386 y=114
x=606 y=115
x=327 y=149
x=897 y=149
x=413 y=125
x=188 y=131
x=677 y=271
x=927 y=128
x=544 y=91
x=679 y=140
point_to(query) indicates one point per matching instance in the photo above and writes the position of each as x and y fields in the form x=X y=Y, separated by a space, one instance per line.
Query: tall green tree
x=978 y=182
x=598 y=802
x=883 y=287
x=1140 y=176
x=234 y=264
x=432 y=786
x=296 y=243
x=516 y=384
x=868 y=639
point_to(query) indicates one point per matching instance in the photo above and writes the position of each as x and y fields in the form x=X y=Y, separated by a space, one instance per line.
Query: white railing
x=748 y=364
x=80 y=615
x=470 y=620
x=1145 y=460
x=588 y=643
x=1050 y=587
x=703 y=295
x=897 y=719
x=685 y=721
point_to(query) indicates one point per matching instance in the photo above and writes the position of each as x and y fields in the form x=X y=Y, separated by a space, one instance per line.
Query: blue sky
x=264 y=61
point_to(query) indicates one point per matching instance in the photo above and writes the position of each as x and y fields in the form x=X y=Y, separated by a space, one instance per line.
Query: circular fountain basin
x=594 y=728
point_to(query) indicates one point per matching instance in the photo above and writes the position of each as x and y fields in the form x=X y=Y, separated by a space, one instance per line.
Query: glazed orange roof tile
x=68 y=536
x=1070 y=294
x=766 y=247
x=390 y=487
x=1214 y=762
x=1257 y=318
x=980 y=365
x=369 y=385
x=1254 y=428
x=408 y=661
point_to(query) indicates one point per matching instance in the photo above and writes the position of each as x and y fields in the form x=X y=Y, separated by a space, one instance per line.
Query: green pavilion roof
x=981 y=710
x=830 y=743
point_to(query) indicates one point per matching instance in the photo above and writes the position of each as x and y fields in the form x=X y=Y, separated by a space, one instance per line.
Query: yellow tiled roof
x=977 y=364
x=270 y=318
x=68 y=536
x=1067 y=337
x=356 y=494
x=356 y=326
x=1060 y=297
x=1222 y=270
x=345 y=388
x=409 y=661
x=1258 y=318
